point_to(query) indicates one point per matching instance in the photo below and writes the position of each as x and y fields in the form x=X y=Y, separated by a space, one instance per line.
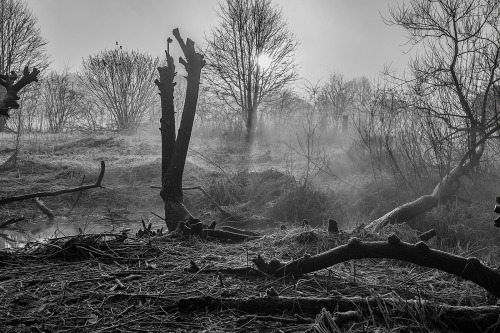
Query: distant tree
x=452 y=83
x=250 y=56
x=21 y=42
x=336 y=98
x=59 y=96
x=31 y=117
x=123 y=82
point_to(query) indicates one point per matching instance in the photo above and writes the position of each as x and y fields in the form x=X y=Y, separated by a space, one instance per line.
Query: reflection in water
x=64 y=227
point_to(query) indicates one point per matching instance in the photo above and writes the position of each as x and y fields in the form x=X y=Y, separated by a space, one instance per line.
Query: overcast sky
x=346 y=36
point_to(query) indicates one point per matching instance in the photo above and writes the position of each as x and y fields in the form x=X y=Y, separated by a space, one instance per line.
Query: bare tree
x=250 y=56
x=123 y=82
x=21 y=43
x=59 y=98
x=452 y=82
x=336 y=98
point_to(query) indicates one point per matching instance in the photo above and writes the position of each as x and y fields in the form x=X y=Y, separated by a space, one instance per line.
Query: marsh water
x=72 y=225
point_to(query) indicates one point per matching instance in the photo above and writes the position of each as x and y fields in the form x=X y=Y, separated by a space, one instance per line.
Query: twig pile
x=112 y=283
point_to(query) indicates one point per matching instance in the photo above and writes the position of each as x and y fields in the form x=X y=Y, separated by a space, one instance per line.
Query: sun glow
x=264 y=61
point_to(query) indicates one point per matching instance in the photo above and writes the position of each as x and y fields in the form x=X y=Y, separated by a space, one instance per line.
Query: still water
x=18 y=235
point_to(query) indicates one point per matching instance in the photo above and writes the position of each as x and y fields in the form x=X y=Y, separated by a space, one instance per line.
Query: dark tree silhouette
x=13 y=85
x=174 y=149
x=454 y=82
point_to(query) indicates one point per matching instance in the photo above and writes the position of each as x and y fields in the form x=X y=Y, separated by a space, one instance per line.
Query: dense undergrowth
x=277 y=181
x=146 y=284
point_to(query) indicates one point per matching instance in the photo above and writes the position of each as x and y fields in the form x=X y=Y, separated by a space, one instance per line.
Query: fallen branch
x=408 y=211
x=5 y=224
x=39 y=203
x=224 y=212
x=240 y=231
x=97 y=184
x=227 y=235
x=420 y=254
x=428 y=235
x=196 y=228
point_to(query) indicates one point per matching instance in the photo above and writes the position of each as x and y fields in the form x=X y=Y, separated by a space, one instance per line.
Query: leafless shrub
x=123 y=83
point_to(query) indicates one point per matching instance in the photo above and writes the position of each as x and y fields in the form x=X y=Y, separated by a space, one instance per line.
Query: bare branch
x=97 y=184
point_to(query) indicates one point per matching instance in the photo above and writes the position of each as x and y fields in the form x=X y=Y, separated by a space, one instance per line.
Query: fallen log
x=462 y=318
x=7 y=200
x=420 y=254
x=442 y=192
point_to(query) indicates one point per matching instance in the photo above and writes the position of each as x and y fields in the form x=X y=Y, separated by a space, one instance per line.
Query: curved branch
x=420 y=254
x=4 y=201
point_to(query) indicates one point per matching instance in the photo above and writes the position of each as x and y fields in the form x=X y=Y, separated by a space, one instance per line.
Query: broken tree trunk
x=174 y=150
x=466 y=268
x=13 y=87
x=442 y=191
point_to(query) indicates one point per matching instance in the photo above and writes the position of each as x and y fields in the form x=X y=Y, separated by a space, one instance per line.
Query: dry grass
x=107 y=283
x=56 y=287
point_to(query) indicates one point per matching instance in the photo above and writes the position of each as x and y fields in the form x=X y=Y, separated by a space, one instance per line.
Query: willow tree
x=250 y=56
x=453 y=83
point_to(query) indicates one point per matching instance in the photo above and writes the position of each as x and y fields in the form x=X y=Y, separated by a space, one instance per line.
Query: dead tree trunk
x=174 y=150
x=442 y=192
x=13 y=86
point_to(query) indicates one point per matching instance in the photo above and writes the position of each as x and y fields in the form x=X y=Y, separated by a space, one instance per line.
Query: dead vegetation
x=118 y=283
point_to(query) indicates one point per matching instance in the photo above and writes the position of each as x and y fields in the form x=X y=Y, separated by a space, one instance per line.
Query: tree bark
x=420 y=254
x=443 y=190
x=174 y=150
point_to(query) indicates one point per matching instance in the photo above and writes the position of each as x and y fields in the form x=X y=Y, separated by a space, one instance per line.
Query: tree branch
x=420 y=254
x=97 y=184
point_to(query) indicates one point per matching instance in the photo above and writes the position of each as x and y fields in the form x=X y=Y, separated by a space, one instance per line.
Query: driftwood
x=97 y=184
x=463 y=318
x=467 y=268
